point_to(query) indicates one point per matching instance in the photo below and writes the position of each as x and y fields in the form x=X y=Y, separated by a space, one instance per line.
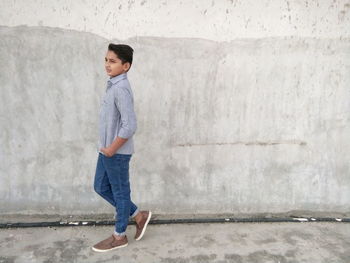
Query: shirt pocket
x=107 y=102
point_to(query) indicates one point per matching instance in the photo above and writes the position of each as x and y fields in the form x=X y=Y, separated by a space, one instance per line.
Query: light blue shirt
x=117 y=117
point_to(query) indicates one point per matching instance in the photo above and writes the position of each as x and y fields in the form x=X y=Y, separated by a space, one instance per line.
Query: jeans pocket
x=121 y=160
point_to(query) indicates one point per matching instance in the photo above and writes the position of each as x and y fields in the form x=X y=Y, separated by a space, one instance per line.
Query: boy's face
x=113 y=64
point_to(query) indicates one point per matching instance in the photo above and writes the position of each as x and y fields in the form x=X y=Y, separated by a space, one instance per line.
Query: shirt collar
x=117 y=78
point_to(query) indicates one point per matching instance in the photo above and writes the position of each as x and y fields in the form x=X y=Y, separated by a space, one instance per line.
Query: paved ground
x=219 y=242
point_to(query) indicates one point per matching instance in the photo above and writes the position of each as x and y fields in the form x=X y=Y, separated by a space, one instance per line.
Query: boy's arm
x=116 y=144
x=124 y=102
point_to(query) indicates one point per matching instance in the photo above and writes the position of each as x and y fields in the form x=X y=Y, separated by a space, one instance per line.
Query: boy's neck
x=117 y=75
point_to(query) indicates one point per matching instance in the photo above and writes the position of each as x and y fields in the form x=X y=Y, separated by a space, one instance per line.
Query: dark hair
x=123 y=52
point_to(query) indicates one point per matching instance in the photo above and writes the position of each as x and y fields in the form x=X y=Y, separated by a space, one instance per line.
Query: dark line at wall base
x=177 y=221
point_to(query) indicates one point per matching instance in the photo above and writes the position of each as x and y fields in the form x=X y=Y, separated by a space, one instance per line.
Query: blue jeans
x=112 y=183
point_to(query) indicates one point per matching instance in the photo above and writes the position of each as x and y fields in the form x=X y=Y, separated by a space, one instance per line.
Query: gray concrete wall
x=242 y=106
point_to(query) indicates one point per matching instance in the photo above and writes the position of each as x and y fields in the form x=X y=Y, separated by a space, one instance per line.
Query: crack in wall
x=260 y=143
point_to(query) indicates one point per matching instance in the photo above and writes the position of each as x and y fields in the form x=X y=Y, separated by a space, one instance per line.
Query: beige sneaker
x=110 y=243
x=141 y=228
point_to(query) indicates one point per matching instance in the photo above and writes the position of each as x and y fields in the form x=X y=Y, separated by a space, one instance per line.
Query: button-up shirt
x=117 y=117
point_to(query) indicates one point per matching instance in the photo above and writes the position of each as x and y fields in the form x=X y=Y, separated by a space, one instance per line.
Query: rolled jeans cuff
x=119 y=234
x=135 y=213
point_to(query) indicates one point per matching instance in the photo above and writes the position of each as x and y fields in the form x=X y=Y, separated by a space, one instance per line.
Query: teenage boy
x=117 y=125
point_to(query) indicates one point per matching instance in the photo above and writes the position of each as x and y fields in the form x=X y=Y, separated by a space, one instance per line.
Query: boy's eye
x=111 y=61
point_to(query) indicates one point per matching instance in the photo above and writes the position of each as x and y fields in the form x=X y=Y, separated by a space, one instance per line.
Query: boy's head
x=118 y=59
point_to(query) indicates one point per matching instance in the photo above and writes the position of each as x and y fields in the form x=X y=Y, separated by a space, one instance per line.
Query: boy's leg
x=117 y=169
x=102 y=186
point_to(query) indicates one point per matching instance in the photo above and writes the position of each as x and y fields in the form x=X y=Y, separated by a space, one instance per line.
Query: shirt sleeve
x=124 y=101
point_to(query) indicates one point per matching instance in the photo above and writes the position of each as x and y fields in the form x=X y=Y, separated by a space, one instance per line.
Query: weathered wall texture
x=241 y=108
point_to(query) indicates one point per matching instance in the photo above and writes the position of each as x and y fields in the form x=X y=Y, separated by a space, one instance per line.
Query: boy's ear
x=127 y=66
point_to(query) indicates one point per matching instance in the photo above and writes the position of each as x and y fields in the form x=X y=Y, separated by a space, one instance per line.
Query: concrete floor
x=220 y=242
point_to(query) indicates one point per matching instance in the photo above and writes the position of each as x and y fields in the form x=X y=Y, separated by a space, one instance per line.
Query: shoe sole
x=105 y=250
x=144 y=228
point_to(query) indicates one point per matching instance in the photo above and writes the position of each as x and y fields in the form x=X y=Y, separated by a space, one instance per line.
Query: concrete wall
x=242 y=106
